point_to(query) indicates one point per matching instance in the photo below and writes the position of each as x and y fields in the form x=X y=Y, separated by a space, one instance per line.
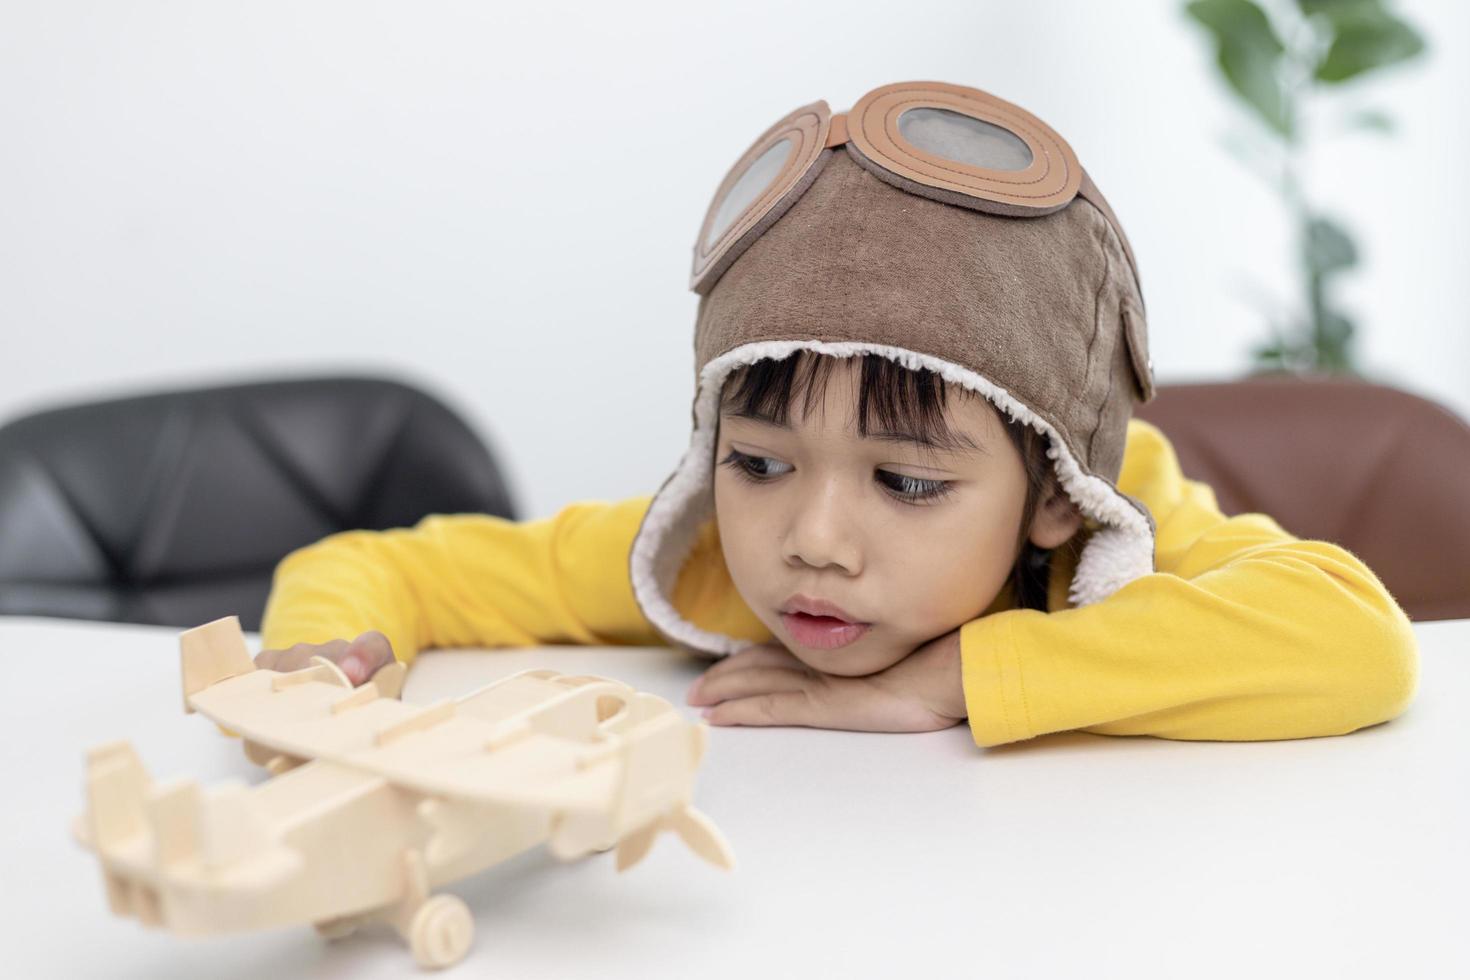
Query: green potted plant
x=1281 y=59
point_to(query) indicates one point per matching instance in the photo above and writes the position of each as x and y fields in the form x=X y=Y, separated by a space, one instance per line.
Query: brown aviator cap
x=942 y=228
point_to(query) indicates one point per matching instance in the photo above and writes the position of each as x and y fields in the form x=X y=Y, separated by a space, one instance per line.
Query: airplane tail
x=137 y=828
x=116 y=788
x=155 y=840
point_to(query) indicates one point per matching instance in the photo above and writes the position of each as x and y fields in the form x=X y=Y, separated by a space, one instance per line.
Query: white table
x=857 y=854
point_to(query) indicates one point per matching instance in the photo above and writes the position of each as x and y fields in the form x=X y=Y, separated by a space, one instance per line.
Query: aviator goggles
x=945 y=142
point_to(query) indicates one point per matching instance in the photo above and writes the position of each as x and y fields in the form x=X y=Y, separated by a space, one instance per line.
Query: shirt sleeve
x=1243 y=632
x=471 y=580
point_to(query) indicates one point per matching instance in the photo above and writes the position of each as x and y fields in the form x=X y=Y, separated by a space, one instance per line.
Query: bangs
x=897 y=398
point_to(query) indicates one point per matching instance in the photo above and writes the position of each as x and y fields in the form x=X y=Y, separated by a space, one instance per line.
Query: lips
x=822 y=632
x=817 y=607
x=819 y=624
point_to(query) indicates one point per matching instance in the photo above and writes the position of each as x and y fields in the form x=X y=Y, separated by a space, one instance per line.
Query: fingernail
x=689 y=694
x=705 y=713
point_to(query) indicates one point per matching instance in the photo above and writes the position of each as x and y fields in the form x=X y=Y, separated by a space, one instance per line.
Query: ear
x=1057 y=519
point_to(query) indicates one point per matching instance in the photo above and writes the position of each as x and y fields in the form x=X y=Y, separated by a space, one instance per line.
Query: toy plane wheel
x=441 y=932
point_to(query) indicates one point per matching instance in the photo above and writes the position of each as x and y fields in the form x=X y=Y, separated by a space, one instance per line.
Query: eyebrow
x=944 y=441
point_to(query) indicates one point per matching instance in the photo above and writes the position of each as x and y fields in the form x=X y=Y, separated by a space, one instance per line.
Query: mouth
x=822 y=632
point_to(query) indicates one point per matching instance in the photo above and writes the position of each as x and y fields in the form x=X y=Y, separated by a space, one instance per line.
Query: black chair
x=174 y=508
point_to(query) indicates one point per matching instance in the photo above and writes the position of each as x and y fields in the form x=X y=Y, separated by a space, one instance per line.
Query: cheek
x=953 y=570
x=737 y=520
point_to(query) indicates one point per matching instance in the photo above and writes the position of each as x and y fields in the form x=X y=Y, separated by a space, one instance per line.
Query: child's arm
x=1245 y=632
x=466 y=580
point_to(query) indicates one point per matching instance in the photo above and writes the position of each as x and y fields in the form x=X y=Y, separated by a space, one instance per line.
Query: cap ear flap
x=1135 y=335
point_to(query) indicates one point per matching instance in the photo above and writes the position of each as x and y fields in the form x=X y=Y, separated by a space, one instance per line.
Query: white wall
x=499 y=200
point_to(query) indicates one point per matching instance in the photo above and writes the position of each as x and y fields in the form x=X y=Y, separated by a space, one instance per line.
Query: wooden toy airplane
x=373 y=802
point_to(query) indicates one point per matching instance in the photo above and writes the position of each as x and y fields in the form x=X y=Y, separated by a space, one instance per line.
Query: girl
x=914 y=494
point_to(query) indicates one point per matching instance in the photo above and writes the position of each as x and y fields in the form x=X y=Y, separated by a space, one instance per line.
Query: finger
x=764 y=655
x=749 y=682
x=365 y=656
x=777 y=708
x=815 y=711
x=266 y=659
x=295 y=658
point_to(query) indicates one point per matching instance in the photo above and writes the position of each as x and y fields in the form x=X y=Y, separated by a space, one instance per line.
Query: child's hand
x=768 y=685
x=359 y=659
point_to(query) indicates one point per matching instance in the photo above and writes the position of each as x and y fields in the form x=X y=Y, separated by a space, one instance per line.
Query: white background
x=497 y=201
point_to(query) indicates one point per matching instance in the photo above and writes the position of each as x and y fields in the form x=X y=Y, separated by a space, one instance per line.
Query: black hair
x=909 y=400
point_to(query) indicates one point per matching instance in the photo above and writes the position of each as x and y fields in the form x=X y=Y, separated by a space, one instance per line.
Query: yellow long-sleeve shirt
x=1243 y=632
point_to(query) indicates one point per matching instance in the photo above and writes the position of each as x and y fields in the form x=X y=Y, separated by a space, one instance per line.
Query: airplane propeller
x=697 y=830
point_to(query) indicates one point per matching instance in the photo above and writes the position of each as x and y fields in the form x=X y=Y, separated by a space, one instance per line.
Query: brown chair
x=1374 y=469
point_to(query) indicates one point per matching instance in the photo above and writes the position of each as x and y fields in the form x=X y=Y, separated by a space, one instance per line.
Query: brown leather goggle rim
x=820 y=132
x=722 y=258
x=807 y=126
x=1047 y=183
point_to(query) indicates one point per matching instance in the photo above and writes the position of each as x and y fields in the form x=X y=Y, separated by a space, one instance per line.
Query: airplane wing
x=554 y=752
x=536 y=738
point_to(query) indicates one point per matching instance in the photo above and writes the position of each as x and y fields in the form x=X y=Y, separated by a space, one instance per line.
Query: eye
x=910 y=488
x=755 y=469
x=906 y=489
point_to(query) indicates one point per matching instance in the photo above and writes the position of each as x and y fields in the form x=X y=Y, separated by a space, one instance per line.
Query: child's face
x=832 y=521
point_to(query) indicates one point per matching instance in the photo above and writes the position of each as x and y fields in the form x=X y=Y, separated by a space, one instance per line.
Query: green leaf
x=1335 y=8
x=1269 y=358
x=1334 y=349
x=1249 y=54
x=1337 y=329
x=1366 y=37
x=1327 y=246
x=1276 y=353
x=1375 y=120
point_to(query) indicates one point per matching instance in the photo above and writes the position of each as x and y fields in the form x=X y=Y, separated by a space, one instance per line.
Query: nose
x=822 y=531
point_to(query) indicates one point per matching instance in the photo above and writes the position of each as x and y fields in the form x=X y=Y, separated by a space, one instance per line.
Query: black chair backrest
x=174 y=508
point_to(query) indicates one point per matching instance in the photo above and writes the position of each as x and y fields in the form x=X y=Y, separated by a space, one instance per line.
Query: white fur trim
x=1118 y=552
